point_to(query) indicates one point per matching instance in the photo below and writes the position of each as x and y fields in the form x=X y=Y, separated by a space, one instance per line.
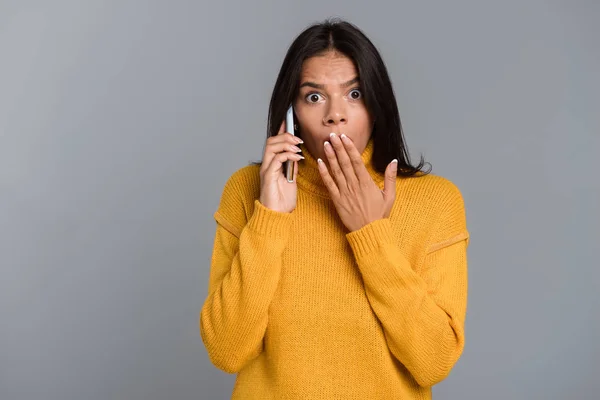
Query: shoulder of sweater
x=444 y=204
x=237 y=199
x=246 y=180
x=440 y=191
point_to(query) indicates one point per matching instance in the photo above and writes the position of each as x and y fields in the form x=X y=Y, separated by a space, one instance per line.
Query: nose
x=336 y=114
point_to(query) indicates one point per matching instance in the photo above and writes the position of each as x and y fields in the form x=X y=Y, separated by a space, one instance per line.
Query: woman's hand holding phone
x=276 y=192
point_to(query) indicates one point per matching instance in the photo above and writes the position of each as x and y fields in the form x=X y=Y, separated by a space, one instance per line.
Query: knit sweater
x=301 y=308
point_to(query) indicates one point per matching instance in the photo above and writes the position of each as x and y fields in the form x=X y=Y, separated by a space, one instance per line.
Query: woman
x=351 y=281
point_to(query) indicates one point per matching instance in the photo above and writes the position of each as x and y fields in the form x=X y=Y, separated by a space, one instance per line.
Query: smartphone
x=289 y=127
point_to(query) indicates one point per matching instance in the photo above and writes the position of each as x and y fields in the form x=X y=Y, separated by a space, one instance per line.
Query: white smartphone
x=289 y=127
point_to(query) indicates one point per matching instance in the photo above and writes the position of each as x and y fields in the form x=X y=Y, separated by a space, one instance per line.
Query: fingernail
x=343 y=136
x=332 y=134
x=299 y=140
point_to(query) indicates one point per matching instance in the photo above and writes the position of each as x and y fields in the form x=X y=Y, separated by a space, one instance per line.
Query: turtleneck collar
x=309 y=177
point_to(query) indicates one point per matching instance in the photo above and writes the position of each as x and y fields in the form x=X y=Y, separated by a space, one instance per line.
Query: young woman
x=351 y=281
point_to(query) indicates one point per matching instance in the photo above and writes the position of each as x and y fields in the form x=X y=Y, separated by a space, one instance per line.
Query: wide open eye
x=355 y=91
x=312 y=98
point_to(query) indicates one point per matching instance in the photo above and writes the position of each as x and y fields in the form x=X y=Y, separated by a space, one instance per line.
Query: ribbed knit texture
x=301 y=308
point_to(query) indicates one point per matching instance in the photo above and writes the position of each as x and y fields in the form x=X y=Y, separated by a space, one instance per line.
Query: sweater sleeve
x=422 y=314
x=244 y=273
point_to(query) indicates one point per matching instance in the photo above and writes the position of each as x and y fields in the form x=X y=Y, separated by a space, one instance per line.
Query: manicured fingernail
x=343 y=136
x=326 y=143
x=332 y=134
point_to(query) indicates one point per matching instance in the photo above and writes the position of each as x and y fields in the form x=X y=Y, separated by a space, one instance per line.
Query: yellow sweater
x=301 y=308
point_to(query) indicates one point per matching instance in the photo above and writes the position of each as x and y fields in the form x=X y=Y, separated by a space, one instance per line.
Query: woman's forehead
x=328 y=69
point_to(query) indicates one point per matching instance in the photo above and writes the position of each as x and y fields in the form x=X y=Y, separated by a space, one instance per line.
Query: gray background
x=121 y=121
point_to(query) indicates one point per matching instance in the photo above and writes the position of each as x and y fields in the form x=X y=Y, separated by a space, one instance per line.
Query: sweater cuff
x=370 y=237
x=267 y=222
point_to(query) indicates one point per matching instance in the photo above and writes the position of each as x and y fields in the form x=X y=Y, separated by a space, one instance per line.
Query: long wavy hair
x=343 y=37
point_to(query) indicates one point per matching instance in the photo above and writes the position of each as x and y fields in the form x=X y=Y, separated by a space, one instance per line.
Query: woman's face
x=330 y=100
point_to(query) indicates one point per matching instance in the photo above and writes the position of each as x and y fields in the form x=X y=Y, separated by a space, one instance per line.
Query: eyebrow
x=321 y=86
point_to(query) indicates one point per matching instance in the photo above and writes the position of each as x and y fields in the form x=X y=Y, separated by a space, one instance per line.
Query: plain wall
x=120 y=122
